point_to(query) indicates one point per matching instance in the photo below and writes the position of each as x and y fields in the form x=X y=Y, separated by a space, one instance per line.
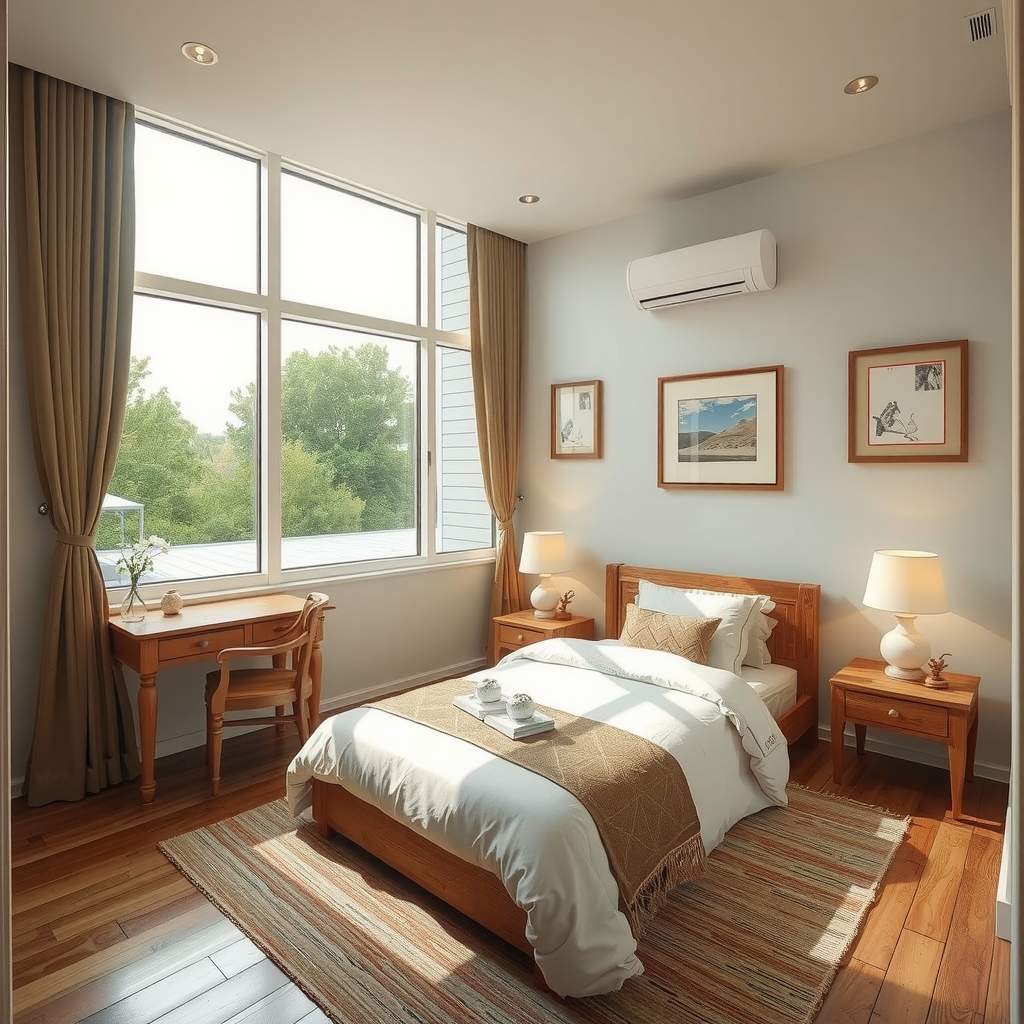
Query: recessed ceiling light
x=199 y=53
x=862 y=84
x=529 y=199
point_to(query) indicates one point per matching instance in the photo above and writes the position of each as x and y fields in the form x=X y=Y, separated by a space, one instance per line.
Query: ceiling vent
x=981 y=25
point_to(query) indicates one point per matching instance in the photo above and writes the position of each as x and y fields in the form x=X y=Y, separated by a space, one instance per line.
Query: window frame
x=272 y=309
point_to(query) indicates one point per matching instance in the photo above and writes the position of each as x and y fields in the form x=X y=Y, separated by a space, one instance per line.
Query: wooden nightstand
x=863 y=694
x=519 y=629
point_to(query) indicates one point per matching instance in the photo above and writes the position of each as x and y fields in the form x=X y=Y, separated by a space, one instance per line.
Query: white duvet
x=530 y=832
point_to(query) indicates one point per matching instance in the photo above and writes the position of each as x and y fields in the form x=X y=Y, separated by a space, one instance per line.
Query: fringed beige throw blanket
x=633 y=789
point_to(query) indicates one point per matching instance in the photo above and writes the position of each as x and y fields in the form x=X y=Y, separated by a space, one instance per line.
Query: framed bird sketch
x=909 y=403
x=576 y=420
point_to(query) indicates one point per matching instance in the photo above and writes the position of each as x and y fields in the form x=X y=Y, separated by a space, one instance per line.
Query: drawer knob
x=520 y=638
x=893 y=713
x=202 y=643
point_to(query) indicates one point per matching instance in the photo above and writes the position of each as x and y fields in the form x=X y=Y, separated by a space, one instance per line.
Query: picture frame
x=908 y=403
x=576 y=415
x=722 y=429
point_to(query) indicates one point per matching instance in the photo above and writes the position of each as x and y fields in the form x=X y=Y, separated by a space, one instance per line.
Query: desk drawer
x=198 y=644
x=268 y=632
x=512 y=637
x=872 y=709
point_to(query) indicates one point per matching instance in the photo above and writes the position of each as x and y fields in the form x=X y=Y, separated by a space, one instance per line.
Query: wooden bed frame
x=478 y=893
x=794 y=641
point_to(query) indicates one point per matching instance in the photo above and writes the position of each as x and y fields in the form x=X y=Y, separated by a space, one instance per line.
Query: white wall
x=904 y=243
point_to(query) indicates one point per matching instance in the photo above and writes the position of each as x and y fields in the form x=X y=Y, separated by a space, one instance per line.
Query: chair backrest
x=306 y=627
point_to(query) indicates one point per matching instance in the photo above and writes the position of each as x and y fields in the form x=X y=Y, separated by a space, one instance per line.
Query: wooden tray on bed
x=478 y=893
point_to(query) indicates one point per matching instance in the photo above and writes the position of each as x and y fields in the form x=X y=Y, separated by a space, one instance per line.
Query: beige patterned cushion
x=678 y=634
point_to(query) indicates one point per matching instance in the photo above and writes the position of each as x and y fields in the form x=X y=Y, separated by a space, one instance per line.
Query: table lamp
x=908 y=583
x=544 y=553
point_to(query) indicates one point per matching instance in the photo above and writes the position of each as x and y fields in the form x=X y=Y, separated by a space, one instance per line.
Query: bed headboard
x=794 y=641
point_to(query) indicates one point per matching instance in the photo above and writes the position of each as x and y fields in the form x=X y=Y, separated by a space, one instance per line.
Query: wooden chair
x=285 y=681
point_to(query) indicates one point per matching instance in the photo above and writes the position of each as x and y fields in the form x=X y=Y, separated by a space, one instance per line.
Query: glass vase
x=133 y=608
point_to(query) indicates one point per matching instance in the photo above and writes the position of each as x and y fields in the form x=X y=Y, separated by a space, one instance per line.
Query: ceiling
x=601 y=107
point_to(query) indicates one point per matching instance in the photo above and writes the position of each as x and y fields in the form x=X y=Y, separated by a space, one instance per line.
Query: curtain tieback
x=505 y=524
x=78 y=541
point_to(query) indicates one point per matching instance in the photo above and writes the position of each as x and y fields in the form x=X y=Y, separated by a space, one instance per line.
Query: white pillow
x=729 y=644
x=760 y=628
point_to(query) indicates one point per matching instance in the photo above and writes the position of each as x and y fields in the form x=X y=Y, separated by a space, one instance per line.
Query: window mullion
x=428 y=374
x=270 y=460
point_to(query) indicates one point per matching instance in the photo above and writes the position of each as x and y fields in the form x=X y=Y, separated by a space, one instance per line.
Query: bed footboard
x=468 y=888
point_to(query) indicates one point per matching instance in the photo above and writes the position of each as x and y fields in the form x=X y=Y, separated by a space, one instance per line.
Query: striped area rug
x=758 y=939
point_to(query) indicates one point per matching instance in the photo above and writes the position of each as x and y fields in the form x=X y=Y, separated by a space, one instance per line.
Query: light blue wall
x=905 y=243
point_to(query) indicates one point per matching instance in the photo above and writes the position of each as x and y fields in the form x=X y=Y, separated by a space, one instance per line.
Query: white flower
x=139 y=558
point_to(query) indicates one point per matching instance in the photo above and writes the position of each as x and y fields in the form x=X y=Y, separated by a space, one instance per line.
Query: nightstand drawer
x=195 y=645
x=901 y=715
x=519 y=636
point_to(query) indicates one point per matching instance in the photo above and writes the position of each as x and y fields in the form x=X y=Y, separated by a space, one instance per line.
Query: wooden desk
x=200 y=632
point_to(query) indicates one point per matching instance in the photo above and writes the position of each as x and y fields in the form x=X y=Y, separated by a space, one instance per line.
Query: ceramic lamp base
x=544 y=598
x=905 y=650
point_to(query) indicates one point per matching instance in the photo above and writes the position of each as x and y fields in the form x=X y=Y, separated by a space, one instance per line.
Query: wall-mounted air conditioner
x=727 y=266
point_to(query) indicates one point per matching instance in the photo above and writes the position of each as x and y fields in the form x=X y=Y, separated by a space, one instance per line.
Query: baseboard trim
x=397 y=685
x=881 y=744
x=186 y=741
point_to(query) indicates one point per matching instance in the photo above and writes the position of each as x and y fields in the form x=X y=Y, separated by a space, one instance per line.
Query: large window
x=348 y=446
x=343 y=251
x=301 y=425
x=188 y=455
x=197 y=211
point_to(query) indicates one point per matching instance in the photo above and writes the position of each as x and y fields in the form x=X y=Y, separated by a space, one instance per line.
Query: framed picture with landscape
x=576 y=420
x=909 y=403
x=722 y=429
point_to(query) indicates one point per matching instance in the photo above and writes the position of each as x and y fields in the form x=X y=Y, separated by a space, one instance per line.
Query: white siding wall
x=453 y=280
x=464 y=521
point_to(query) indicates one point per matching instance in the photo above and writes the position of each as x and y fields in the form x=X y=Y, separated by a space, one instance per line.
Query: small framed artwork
x=722 y=429
x=909 y=403
x=576 y=420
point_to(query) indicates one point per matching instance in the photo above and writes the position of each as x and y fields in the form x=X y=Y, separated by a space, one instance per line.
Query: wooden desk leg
x=147 y=735
x=316 y=665
x=861 y=732
x=957 y=761
x=837 y=730
x=972 y=744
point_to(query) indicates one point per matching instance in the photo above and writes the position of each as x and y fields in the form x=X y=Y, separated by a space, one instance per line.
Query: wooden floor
x=105 y=930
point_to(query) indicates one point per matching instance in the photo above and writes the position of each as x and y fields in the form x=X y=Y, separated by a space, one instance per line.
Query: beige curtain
x=73 y=198
x=497 y=302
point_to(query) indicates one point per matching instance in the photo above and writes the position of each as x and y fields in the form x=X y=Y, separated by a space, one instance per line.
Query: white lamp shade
x=906 y=581
x=544 y=552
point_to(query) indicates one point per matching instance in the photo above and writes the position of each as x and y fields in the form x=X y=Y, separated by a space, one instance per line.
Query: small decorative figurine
x=488 y=691
x=519 y=706
x=562 y=612
x=935 y=680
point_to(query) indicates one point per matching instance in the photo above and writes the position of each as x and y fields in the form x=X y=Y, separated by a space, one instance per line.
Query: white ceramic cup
x=519 y=706
x=488 y=691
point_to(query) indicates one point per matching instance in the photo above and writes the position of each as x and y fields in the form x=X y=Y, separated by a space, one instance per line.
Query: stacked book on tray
x=494 y=713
